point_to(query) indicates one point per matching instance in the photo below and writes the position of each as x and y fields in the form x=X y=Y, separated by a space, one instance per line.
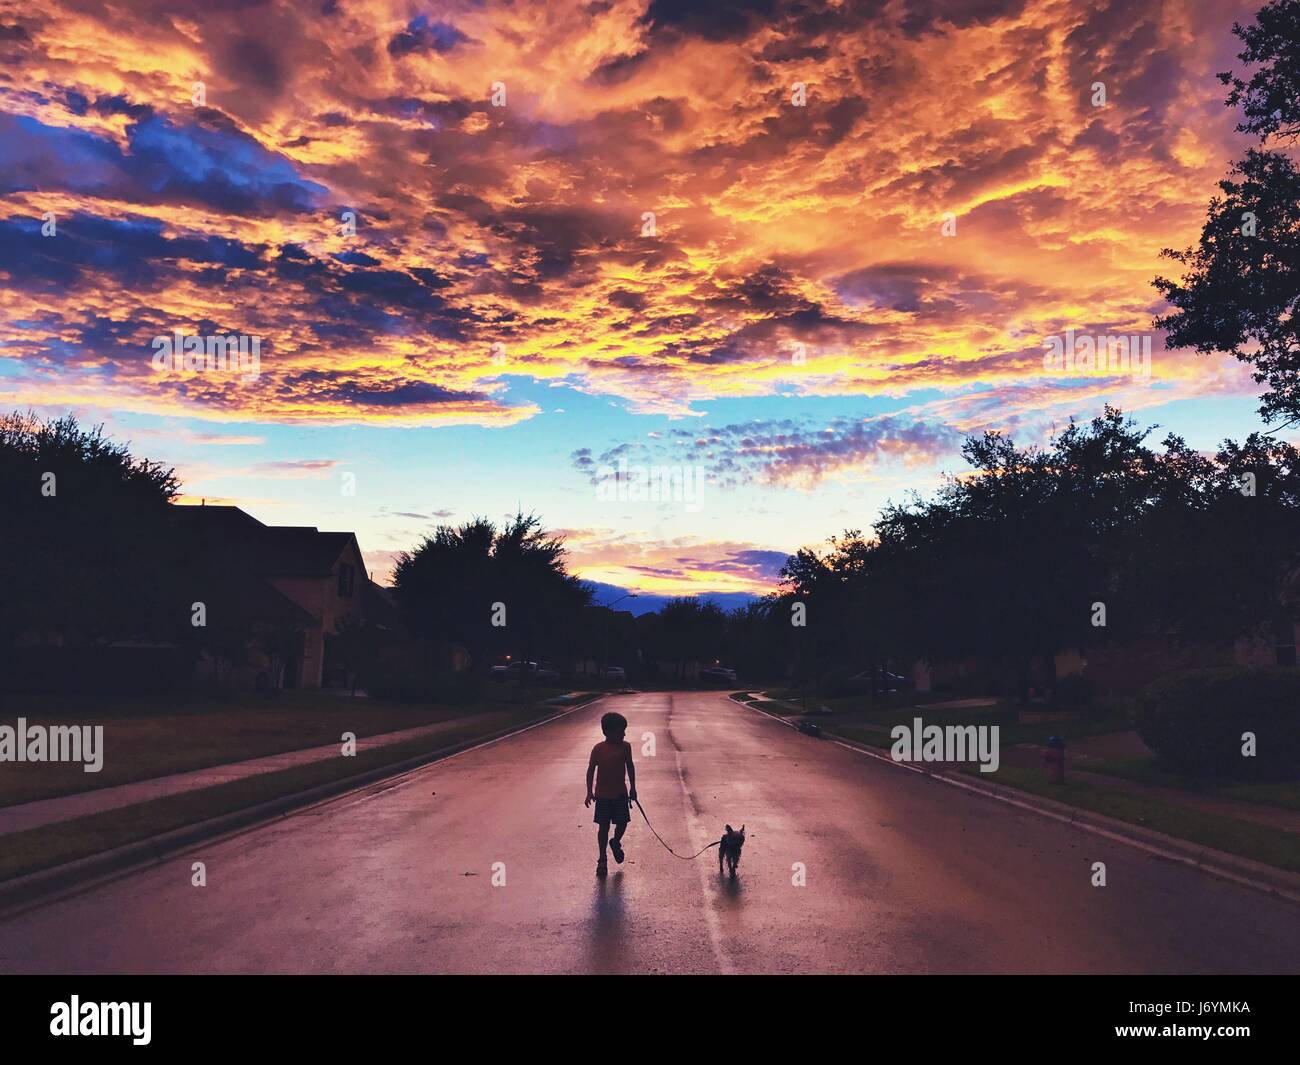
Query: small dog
x=729 y=849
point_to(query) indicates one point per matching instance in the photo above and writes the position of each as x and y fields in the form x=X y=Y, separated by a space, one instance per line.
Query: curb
x=45 y=885
x=1233 y=867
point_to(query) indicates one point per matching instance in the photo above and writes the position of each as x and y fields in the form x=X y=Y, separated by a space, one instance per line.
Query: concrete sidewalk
x=66 y=807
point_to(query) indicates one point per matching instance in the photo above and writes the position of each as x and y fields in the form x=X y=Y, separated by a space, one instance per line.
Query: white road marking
x=725 y=965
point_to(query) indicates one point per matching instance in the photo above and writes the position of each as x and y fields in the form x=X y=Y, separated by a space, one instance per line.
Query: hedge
x=1195 y=721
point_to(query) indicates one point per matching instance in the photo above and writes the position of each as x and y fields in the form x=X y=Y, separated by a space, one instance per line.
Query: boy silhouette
x=608 y=761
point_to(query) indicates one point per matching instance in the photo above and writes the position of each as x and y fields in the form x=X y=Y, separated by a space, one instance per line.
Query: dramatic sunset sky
x=797 y=323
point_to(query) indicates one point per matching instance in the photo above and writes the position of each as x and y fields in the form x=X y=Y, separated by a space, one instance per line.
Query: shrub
x=418 y=671
x=1195 y=720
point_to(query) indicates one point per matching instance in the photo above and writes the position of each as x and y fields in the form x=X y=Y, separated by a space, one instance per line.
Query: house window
x=345 y=581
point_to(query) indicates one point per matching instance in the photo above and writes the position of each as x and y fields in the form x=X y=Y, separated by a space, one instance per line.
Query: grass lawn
x=1146 y=771
x=1260 y=842
x=158 y=735
x=858 y=720
x=50 y=845
x=855 y=703
x=771 y=707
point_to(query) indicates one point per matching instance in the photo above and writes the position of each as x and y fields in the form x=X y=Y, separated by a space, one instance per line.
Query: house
x=271 y=595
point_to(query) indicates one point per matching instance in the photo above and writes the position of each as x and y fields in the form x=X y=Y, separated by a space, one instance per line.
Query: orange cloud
x=670 y=205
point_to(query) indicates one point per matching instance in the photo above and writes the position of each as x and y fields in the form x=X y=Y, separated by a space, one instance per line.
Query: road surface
x=903 y=875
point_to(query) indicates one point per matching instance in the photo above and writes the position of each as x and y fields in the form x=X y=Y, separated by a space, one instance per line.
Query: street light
x=605 y=641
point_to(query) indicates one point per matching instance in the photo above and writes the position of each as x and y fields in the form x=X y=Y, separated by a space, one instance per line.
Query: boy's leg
x=619 y=829
x=602 y=836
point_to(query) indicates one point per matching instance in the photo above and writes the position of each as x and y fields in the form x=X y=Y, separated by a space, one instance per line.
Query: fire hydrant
x=1054 y=756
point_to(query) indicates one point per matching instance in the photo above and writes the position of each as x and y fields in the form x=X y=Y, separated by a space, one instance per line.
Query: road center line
x=725 y=965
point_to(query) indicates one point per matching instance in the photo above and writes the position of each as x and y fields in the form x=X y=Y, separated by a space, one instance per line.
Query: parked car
x=885 y=682
x=504 y=672
x=614 y=673
x=534 y=672
x=717 y=675
x=892 y=682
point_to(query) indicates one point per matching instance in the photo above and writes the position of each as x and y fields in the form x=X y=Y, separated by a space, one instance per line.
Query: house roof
x=378 y=606
x=268 y=550
x=246 y=597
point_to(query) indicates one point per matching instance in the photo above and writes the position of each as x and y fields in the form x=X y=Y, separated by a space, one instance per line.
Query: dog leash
x=661 y=839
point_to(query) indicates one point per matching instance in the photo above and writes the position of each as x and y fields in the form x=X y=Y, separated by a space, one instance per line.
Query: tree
x=1240 y=293
x=830 y=586
x=357 y=642
x=89 y=553
x=1219 y=538
x=1005 y=563
x=543 y=600
x=687 y=630
x=1270 y=101
x=450 y=585
x=759 y=640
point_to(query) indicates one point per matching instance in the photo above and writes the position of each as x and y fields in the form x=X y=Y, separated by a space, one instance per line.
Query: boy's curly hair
x=613 y=724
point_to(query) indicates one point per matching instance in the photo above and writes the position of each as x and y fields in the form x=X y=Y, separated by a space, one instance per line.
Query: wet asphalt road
x=903 y=874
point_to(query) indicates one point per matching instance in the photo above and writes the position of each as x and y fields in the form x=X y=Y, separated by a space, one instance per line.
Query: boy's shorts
x=617 y=810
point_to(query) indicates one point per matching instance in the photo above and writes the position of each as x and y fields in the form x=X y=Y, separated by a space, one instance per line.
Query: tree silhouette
x=688 y=630
x=1240 y=293
x=1004 y=563
x=88 y=551
x=448 y=587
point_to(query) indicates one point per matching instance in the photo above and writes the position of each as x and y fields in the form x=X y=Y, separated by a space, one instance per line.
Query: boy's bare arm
x=631 y=774
x=591 y=776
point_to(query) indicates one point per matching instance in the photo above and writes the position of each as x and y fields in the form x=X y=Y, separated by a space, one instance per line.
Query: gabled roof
x=232 y=535
x=379 y=607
